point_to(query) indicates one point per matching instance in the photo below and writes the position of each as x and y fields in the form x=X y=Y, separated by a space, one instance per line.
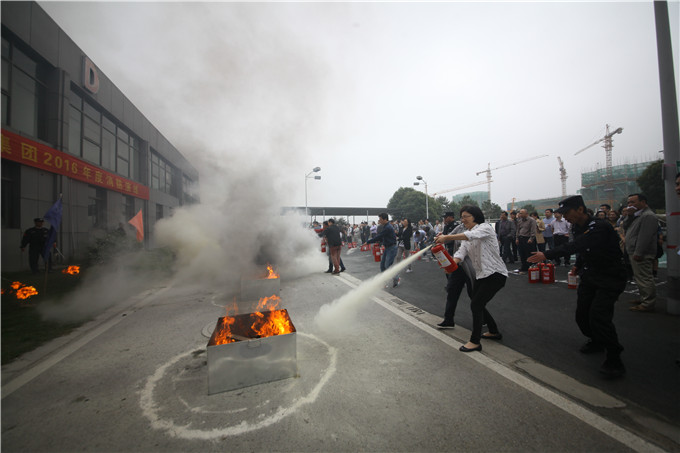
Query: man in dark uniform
x=456 y=280
x=35 y=238
x=603 y=279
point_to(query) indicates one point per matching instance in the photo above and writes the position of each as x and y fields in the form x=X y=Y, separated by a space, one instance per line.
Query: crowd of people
x=608 y=247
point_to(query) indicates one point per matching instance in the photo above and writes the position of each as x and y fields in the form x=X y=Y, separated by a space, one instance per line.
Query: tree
x=468 y=201
x=529 y=207
x=444 y=203
x=652 y=186
x=491 y=210
x=408 y=202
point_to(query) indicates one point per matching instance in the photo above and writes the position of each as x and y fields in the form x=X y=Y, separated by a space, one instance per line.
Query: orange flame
x=268 y=320
x=271 y=274
x=22 y=291
x=71 y=270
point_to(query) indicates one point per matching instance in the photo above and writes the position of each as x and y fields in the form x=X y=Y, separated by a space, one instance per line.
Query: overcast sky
x=379 y=93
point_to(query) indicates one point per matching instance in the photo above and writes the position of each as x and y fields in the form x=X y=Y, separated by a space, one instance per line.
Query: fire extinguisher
x=323 y=246
x=572 y=280
x=376 y=253
x=534 y=274
x=445 y=260
x=548 y=273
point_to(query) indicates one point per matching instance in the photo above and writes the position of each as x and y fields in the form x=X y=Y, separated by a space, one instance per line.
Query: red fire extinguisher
x=572 y=280
x=534 y=274
x=323 y=246
x=548 y=273
x=376 y=253
x=445 y=260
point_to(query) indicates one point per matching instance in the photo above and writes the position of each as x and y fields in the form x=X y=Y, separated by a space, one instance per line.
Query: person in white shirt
x=479 y=243
x=560 y=228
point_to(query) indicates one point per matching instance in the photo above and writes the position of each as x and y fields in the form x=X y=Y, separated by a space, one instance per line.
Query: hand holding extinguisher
x=445 y=261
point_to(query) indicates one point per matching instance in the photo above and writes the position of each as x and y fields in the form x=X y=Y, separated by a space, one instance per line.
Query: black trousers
x=483 y=291
x=595 y=314
x=559 y=240
x=525 y=249
x=506 y=249
x=455 y=282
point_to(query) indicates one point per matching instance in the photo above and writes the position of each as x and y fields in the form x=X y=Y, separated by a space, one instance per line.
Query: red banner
x=27 y=152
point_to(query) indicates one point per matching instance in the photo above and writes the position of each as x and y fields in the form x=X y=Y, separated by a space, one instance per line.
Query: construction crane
x=488 y=170
x=608 y=145
x=478 y=183
x=563 y=177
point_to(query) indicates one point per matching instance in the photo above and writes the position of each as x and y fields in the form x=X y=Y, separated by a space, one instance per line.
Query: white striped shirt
x=482 y=248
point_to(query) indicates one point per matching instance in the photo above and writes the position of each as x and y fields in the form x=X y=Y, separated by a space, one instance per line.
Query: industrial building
x=68 y=131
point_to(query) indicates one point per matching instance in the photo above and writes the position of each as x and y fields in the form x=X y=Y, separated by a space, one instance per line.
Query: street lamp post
x=307 y=176
x=427 y=207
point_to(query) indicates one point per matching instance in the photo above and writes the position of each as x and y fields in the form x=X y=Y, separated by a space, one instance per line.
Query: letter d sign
x=90 y=76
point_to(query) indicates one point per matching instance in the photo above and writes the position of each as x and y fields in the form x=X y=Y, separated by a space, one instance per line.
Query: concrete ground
x=135 y=379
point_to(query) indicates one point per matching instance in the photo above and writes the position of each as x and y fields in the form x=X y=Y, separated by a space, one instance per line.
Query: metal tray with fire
x=251 y=349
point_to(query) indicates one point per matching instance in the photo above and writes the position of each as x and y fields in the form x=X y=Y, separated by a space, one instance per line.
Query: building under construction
x=596 y=189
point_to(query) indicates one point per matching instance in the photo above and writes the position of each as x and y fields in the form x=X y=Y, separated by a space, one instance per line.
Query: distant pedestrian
x=505 y=232
x=560 y=228
x=641 y=245
x=548 y=233
x=404 y=241
x=599 y=262
x=480 y=244
x=35 y=238
x=526 y=239
x=334 y=244
x=540 y=228
x=388 y=238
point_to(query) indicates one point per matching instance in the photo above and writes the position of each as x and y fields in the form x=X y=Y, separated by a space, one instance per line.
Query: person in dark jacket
x=404 y=241
x=334 y=243
x=388 y=238
x=35 y=238
x=603 y=278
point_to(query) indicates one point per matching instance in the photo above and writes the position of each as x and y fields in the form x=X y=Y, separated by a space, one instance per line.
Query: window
x=188 y=190
x=10 y=195
x=161 y=174
x=128 y=207
x=98 y=139
x=159 y=212
x=24 y=92
x=96 y=206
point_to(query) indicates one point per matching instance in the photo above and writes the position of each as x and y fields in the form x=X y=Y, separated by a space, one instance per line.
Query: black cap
x=38 y=219
x=570 y=203
x=449 y=214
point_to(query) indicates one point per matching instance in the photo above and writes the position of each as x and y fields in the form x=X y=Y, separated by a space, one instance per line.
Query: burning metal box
x=255 y=289
x=251 y=349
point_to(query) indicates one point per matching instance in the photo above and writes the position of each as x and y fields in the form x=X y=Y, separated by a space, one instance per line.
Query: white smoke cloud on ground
x=244 y=110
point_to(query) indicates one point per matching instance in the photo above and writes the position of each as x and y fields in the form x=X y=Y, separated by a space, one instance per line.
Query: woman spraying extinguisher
x=479 y=243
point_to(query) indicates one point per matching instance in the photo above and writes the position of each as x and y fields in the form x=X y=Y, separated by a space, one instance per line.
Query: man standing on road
x=641 y=238
x=389 y=239
x=603 y=278
x=560 y=228
x=334 y=241
x=505 y=232
x=548 y=233
x=35 y=238
x=526 y=238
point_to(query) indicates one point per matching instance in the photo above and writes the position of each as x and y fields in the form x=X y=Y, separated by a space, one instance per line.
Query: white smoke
x=244 y=110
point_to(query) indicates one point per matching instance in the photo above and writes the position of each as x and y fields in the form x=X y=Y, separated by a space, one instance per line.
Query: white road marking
x=150 y=407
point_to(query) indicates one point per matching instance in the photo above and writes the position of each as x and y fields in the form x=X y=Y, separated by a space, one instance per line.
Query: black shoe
x=446 y=325
x=343 y=269
x=328 y=271
x=613 y=368
x=464 y=349
x=591 y=347
x=496 y=337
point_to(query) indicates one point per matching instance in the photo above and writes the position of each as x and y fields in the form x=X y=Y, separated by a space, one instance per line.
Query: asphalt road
x=135 y=378
x=537 y=320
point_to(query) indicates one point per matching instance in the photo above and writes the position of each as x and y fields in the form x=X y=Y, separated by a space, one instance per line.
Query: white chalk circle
x=175 y=398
